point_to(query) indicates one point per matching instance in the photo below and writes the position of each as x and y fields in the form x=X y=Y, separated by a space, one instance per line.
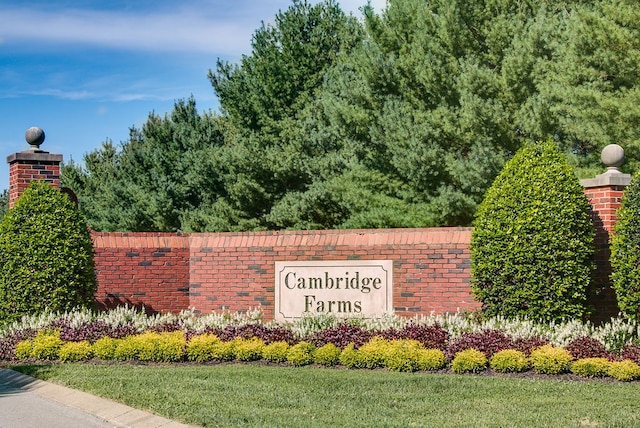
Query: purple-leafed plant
x=528 y=344
x=586 y=347
x=631 y=352
x=488 y=342
x=8 y=342
x=265 y=333
x=341 y=336
x=431 y=336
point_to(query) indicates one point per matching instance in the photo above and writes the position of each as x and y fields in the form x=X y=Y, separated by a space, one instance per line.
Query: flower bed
x=462 y=343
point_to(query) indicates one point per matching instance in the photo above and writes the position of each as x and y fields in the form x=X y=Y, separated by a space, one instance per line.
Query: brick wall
x=27 y=166
x=235 y=271
x=142 y=269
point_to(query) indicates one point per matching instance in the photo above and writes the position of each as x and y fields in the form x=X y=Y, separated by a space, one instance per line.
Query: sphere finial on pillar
x=612 y=156
x=35 y=137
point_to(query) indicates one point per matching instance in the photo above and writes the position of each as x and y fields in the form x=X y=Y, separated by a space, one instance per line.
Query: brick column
x=605 y=193
x=32 y=164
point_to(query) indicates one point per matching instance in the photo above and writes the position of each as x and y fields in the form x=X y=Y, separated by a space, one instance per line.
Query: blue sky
x=87 y=70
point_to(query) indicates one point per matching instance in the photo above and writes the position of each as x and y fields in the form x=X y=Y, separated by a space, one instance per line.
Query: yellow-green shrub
x=248 y=349
x=509 y=361
x=169 y=346
x=327 y=355
x=301 y=354
x=105 y=348
x=349 y=357
x=373 y=353
x=23 y=349
x=402 y=355
x=548 y=359
x=201 y=347
x=75 y=351
x=275 y=352
x=469 y=361
x=431 y=359
x=46 y=345
x=590 y=367
x=130 y=348
x=625 y=371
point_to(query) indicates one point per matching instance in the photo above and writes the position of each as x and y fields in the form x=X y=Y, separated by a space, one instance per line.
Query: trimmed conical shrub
x=532 y=244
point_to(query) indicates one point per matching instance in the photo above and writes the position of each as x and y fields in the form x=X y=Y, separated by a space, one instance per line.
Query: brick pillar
x=32 y=164
x=605 y=193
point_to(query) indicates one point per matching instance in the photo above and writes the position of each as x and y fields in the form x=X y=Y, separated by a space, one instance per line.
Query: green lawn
x=236 y=395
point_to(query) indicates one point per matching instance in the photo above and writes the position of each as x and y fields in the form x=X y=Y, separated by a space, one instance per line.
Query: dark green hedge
x=46 y=255
x=625 y=251
x=533 y=241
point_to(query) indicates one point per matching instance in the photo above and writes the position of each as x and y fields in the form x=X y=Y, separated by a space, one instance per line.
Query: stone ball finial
x=612 y=156
x=35 y=137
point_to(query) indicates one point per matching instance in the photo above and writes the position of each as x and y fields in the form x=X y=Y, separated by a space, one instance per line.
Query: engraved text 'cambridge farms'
x=337 y=287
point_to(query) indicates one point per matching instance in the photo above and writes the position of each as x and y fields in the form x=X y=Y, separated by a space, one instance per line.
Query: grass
x=251 y=395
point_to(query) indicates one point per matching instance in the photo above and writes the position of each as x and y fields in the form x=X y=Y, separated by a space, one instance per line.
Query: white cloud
x=182 y=31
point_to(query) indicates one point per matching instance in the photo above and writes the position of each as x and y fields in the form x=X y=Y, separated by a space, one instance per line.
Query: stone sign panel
x=337 y=287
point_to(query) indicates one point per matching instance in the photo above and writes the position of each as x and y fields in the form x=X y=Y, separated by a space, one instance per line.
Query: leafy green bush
x=248 y=349
x=201 y=347
x=590 y=367
x=469 y=361
x=327 y=355
x=549 y=359
x=532 y=244
x=301 y=354
x=509 y=361
x=75 y=351
x=625 y=370
x=105 y=348
x=46 y=254
x=625 y=251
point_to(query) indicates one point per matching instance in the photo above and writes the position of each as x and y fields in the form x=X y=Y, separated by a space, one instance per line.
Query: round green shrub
x=249 y=349
x=590 y=367
x=301 y=354
x=75 y=351
x=469 y=361
x=201 y=347
x=46 y=254
x=105 y=348
x=549 y=359
x=624 y=371
x=625 y=251
x=275 y=352
x=509 y=361
x=532 y=242
x=327 y=355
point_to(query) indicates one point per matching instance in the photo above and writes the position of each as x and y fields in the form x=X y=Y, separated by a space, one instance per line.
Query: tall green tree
x=158 y=180
x=4 y=202
x=265 y=97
